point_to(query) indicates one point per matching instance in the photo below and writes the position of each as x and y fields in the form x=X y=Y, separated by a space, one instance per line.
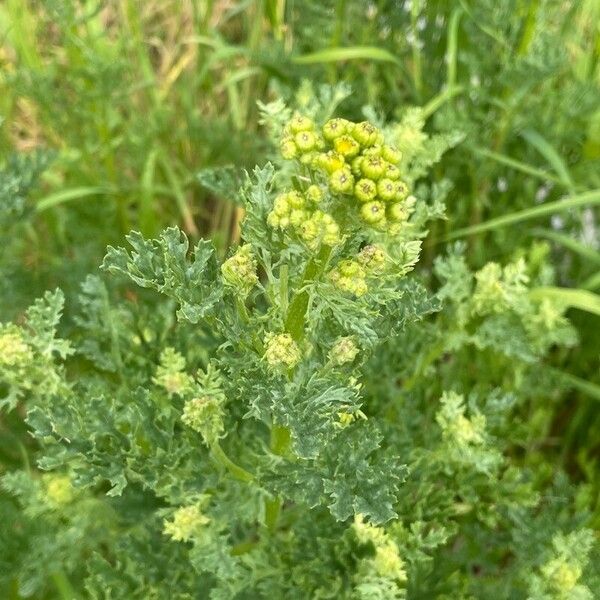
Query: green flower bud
x=59 y=489
x=331 y=237
x=372 y=151
x=373 y=212
x=204 y=415
x=296 y=199
x=373 y=167
x=372 y=258
x=309 y=231
x=343 y=351
x=288 y=148
x=365 y=133
x=170 y=373
x=342 y=181
x=273 y=219
x=188 y=521
x=349 y=276
x=307 y=158
x=305 y=141
x=298 y=216
x=14 y=351
x=391 y=154
x=392 y=172
x=281 y=350
x=355 y=165
x=401 y=191
x=397 y=212
x=239 y=271
x=346 y=146
x=387 y=189
x=300 y=123
x=365 y=189
x=314 y=193
x=281 y=206
x=334 y=128
x=329 y=161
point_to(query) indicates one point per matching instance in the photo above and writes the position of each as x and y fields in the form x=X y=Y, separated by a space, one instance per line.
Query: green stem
x=63 y=586
x=280 y=443
x=294 y=323
x=235 y=470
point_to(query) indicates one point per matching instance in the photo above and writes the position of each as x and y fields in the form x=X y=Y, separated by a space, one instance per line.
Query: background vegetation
x=125 y=114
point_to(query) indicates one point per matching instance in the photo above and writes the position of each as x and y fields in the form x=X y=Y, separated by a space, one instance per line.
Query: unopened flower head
x=187 y=523
x=170 y=373
x=239 y=271
x=59 y=489
x=358 y=167
x=343 y=351
x=281 y=350
x=14 y=351
x=204 y=415
x=350 y=276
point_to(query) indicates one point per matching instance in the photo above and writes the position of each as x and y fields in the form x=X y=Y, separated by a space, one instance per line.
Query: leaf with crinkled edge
x=257 y=201
x=163 y=265
x=350 y=476
x=43 y=317
x=310 y=411
x=223 y=181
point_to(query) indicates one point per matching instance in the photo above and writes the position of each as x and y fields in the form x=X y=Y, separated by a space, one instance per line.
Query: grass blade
x=551 y=155
x=535 y=212
x=586 y=252
x=349 y=53
x=78 y=193
x=569 y=298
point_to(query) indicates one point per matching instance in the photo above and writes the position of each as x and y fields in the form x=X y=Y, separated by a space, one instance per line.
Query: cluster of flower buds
x=299 y=211
x=281 y=350
x=188 y=521
x=59 y=490
x=356 y=163
x=239 y=271
x=204 y=415
x=343 y=351
x=14 y=352
x=170 y=373
x=351 y=275
x=301 y=140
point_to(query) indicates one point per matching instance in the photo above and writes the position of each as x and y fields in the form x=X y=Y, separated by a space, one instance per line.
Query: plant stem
x=235 y=470
x=294 y=323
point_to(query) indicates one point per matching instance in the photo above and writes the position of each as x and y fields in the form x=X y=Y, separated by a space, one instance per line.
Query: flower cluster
x=170 y=373
x=355 y=163
x=239 y=271
x=351 y=275
x=281 y=350
x=14 y=352
x=299 y=210
x=343 y=351
x=387 y=561
x=187 y=522
x=59 y=490
x=204 y=415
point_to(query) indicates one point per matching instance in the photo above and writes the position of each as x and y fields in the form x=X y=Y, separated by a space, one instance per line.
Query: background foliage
x=128 y=115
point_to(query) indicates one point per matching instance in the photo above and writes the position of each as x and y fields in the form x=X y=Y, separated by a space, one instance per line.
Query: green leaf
x=350 y=53
x=569 y=298
x=536 y=212
x=163 y=265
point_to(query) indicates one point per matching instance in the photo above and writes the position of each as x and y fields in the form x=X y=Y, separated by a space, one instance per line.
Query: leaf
x=535 y=212
x=224 y=182
x=569 y=298
x=163 y=265
x=350 y=53
x=551 y=155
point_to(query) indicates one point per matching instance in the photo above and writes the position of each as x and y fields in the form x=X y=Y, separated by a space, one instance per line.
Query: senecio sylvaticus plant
x=305 y=418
